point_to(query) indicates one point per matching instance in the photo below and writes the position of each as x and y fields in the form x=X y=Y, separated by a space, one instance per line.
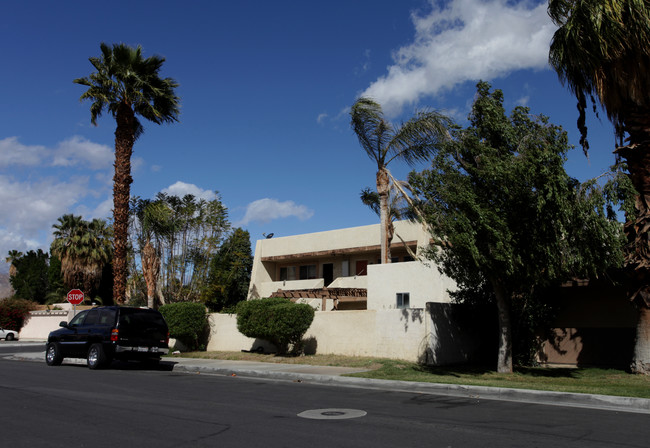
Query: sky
x=265 y=89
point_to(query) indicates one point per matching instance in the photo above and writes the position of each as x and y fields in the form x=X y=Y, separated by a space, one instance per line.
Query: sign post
x=75 y=297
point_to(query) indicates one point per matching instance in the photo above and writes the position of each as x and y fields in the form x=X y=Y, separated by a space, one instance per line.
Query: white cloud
x=321 y=118
x=28 y=209
x=180 y=189
x=462 y=41
x=266 y=210
x=80 y=151
x=14 y=153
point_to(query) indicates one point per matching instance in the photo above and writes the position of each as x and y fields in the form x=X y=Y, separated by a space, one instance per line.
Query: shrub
x=277 y=320
x=13 y=313
x=188 y=323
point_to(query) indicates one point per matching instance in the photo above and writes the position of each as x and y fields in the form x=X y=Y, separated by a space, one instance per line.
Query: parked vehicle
x=105 y=333
x=8 y=335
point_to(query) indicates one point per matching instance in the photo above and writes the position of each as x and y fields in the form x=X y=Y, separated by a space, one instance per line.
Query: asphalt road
x=129 y=405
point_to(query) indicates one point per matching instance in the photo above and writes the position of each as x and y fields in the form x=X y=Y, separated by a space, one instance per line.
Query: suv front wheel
x=97 y=357
x=53 y=355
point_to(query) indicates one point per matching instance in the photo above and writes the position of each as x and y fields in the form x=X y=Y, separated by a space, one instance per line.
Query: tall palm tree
x=127 y=85
x=84 y=248
x=414 y=141
x=601 y=51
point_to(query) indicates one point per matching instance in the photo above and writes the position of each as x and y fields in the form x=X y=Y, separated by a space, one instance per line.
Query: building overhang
x=360 y=250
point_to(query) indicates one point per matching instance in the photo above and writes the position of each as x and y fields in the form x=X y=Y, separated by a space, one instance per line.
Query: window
x=307 y=271
x=288 y=273
x=79 y=318
x=92 y=317
x=403 y=299
x=408 y=258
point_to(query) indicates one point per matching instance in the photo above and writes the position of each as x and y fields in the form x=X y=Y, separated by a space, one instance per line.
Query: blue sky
x=265 y=91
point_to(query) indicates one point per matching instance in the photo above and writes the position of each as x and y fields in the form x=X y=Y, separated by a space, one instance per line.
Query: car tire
x=53 y=356
x=96 y=358
x=9 y=337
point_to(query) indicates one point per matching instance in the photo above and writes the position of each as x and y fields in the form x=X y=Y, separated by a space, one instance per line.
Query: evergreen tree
x=230 y=272
x=508 y=218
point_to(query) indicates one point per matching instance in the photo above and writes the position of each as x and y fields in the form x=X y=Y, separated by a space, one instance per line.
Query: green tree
x=508 y=217
x=56 y=289
x=601 y=51
x=230 y=272
x=30 y=280
x=128 y=86
x=84 y=249
x=414 y=141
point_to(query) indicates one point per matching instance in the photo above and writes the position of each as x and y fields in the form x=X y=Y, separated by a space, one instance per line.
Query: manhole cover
x=332 y=414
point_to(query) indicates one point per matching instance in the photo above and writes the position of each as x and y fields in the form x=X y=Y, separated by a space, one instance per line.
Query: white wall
x=39 y=324
x=422 y=281
x=397 y=334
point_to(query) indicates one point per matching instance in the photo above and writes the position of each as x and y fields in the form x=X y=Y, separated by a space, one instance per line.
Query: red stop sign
x=75 y=296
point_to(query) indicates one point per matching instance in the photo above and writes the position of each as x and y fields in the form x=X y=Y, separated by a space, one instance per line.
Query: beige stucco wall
x=397 y=334
x=357 y=281
x=224 y=335
x=39 y=324
x=421 y=280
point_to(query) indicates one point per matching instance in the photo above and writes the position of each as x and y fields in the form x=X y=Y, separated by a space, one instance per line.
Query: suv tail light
x=167 y=339
x=114 y=334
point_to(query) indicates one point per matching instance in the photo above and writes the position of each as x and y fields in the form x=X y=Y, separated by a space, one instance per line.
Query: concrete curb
x=331 y=376
x=593 y=401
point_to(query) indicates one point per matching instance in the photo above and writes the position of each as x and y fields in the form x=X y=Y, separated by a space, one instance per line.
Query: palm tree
x=601 y=51
x=398 y=207
x=13 y=256
x=127 y=85
x=415 y=141
x=84 y=248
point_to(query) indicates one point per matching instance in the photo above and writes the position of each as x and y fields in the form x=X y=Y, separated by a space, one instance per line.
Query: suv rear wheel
x=96 y=358
x=53 y=355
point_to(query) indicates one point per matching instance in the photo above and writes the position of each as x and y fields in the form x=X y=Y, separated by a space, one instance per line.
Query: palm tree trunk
x=124 y=139
x=150 y=268
x=504 y=360
x=382 y=191
x=640 y=362
x=637 y=230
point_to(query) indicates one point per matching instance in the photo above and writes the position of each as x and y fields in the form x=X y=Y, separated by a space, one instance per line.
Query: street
x=130 y=405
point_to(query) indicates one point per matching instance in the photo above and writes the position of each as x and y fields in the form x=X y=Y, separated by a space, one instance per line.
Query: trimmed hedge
x=13 y=313
x=188 y=323
x=277 y=320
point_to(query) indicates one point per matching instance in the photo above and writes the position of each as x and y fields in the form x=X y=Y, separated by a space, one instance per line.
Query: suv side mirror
x=63 y=324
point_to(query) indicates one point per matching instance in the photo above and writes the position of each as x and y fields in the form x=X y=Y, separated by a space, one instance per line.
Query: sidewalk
x=326 y=375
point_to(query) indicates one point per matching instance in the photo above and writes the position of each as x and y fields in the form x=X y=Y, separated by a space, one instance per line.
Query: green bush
x=277 y=320
x=188 y=323
x=13 y=313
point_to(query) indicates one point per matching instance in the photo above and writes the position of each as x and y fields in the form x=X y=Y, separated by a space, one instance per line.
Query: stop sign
x=75 y=296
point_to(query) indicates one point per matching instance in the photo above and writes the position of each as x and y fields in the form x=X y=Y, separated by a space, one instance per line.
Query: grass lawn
x=581 y=380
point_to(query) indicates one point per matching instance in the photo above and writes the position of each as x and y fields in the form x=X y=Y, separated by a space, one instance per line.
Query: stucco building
x=340 y=269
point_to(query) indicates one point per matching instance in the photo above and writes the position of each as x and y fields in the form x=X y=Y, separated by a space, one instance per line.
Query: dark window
x=92 y=318
x=288 y=273
x=403 y=299
x=307 y=271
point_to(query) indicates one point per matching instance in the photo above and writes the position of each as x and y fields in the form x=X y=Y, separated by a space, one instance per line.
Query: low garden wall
x=411 y=334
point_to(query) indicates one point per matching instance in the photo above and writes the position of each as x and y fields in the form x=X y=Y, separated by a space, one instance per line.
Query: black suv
x=105 y=333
